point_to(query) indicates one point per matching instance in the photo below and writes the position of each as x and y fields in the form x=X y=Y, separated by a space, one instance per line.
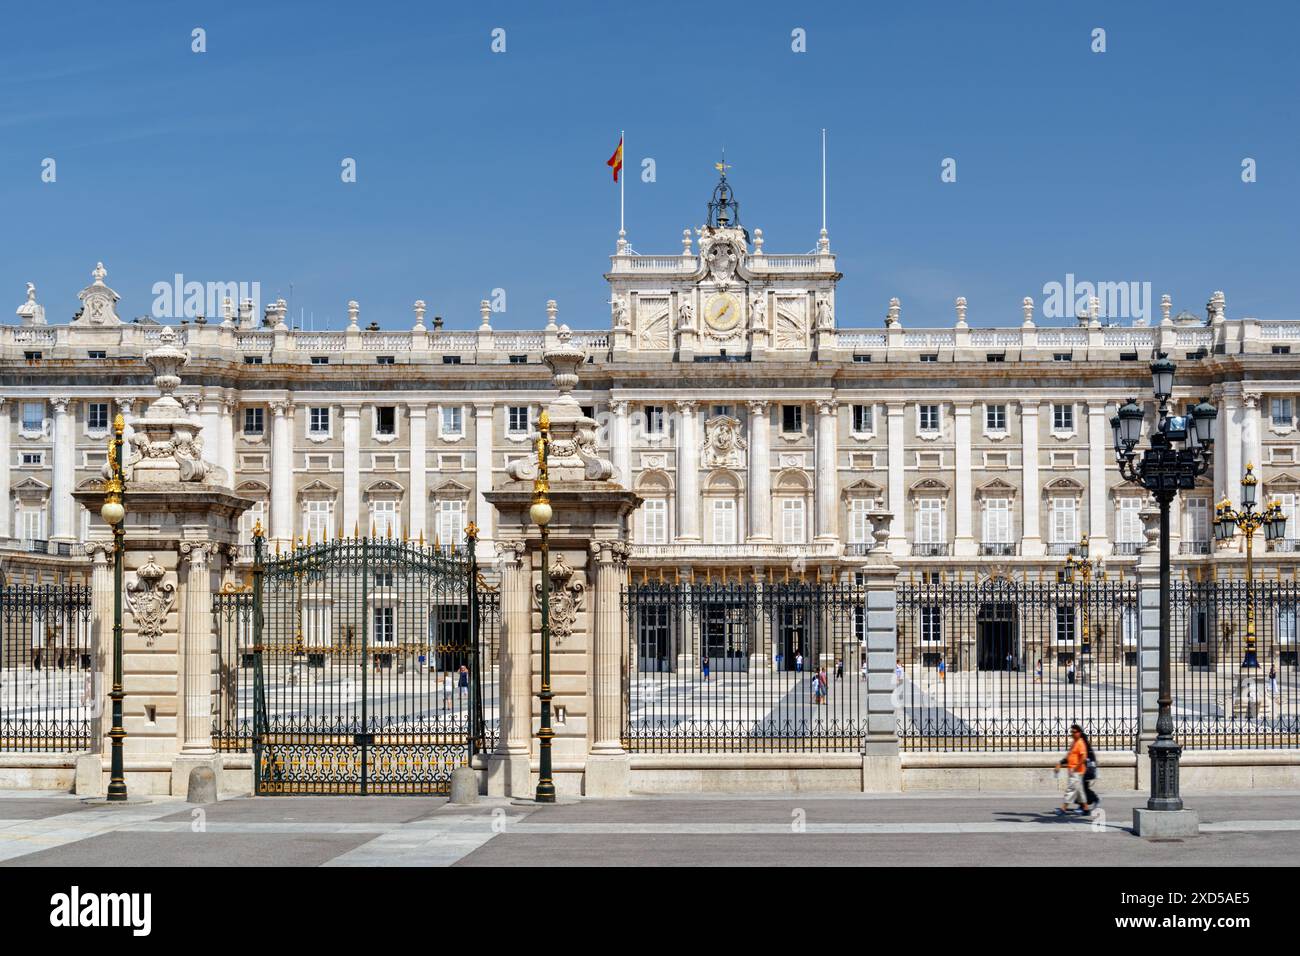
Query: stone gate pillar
x=881 y=764
x=588 y=536
x=181 y=523
x=1148 y=573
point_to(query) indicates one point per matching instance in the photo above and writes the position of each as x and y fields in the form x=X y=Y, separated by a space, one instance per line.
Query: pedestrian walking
x=1069 y=673
x=943 y=669
x=819 y=687
x=798 y=663
x=777 y=659
x=1272 y=680
x=464 y=679
x=1076 y=764
x=704 y=668
x=448 y=688
x=1038 y=671
x=862 y=671
x=839 y=669
x=899 y=673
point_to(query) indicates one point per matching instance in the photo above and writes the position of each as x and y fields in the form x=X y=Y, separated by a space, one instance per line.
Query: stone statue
x=825 y=318
x=685 y=318
x=618 y=307
x=758 y=313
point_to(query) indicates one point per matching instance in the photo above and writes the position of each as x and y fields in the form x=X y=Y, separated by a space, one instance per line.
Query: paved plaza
x=1260 y=828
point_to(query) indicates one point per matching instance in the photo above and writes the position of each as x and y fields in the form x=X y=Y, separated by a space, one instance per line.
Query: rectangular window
x=929 y=356
x=654 y=419
x=33 y=416
x=452 y=423
x=33 y=524
x=724 y=521
x=997 y=521
x=97 y=416
x=451 y=523
x=253 y=421
x=451 y=360
x=1286 y=623
x=1062 y=356
x=927 y=418
x=385 y=360
x=1064 y=515
x=929 y=521
x=1062 y=418
x=859 y=525
x=320 y=360
x=252 y=360
x=792 y=521
x=861 y=358
x=318 y=422
x=519 y=360
x=517 y=419
x=383 y=519
x=656 y=521
x=792 y=419
x=1282 y=412
x=1196 y=520
x=1281 y=350
x=931 y=624
x=94 y=354
x=318 y=519
x=720 y=411
x=1128 y=526
x=385 y=420
x=385 y=629
x=1065 y=624
x=33 y=458
x=995 y=418
x=862 y=418
x=1287 y=501
x=1129 y=625
x=995 y=356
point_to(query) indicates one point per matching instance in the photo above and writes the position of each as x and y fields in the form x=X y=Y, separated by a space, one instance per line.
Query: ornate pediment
x=997 y=488
x=384 y=488
x=1063 y=487
x=451 y=488
x=255 y=487
x=318 y=489
x=1282 y=482
x=98 y=301
x=32 y=489
x=723 y=446
x=929 y=486
x=862 y=488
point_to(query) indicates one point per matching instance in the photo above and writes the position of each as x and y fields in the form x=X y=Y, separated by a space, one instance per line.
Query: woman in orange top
x=1077 y=762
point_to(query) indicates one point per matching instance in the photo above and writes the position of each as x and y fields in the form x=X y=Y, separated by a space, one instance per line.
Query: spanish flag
x=616 y=161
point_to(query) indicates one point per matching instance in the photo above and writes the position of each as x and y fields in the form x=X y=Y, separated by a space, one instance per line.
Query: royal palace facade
x=760 y=425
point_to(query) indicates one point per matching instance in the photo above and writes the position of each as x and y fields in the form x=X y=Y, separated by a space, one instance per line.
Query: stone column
x=484 y=513
x=101 y=636
x=964 y=540
x=620 y=444
x=688 y=474
x=6 y=461
x=881 y=765
x=1031 y=493
x=126 y=408
x=1148 y=575
x=897 y=493
x=196 y=650
x=281 y=474
x=760 y=473
x=352 y=523
x=64 y=463
x=210 y=412
x=1099 y=452
x=1251 y=449
x=827 y=473
x=610 y=562
x=1220 y=442
x=227 y=439
x=508 y=766
x=1234 y=464
x=417 y=485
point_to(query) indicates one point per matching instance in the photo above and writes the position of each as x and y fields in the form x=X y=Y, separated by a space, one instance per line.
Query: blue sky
x=478 y=171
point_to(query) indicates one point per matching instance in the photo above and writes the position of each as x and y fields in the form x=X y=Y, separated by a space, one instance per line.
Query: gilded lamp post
x=114 y=514
x=1080 y=569
x=1226 y=523
x=540 y=513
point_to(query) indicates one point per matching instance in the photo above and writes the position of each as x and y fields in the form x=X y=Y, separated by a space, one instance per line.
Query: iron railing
x=49 y=672
x=740 y=668
x=232 y=704
x=1004 y=665
x=1217 y=702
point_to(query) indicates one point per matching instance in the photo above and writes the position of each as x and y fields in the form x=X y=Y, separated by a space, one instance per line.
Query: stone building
x=759 y=423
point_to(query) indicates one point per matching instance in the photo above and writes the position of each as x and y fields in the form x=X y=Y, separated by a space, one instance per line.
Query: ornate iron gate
x=367 y=670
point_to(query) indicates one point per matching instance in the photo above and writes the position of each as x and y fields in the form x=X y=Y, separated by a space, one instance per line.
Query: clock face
x=723 y=312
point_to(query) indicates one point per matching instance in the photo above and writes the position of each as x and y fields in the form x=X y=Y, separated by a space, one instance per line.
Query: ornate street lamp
x=1226 y=523
x=114 y=514
x=540 y=513
x=1181 y=450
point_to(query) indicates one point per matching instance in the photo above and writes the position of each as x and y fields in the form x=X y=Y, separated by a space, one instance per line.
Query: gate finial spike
x=309 y=537
x=421 y=538
x=356 y=530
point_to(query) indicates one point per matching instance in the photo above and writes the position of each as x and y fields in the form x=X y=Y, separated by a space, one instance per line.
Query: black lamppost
x=540 y=512
x=115 y=515
x=1181 y=450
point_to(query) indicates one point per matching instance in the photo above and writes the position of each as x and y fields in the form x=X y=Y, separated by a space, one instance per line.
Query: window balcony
x=1059 y=549
x=1285 y=546
x=1194 y=547
x=929 y=550
x=1001 y=549
x=1128 y=547
x=857 y=549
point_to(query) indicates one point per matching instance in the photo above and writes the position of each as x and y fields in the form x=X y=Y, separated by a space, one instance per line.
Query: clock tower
x=723 y=298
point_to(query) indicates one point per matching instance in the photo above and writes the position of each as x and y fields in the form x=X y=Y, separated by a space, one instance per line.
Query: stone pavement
x=1255 y=828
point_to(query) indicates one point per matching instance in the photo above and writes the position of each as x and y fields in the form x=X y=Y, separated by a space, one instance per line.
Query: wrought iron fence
x=1003 y=665
x=745 y=667
x=232 y=704
x=1218 y=701
x=49 y=694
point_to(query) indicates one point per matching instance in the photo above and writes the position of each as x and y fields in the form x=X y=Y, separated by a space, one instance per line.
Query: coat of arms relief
x=723 y=446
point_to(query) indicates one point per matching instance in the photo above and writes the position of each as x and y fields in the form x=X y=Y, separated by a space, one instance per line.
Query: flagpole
x=823 y=179
x=622 y=179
